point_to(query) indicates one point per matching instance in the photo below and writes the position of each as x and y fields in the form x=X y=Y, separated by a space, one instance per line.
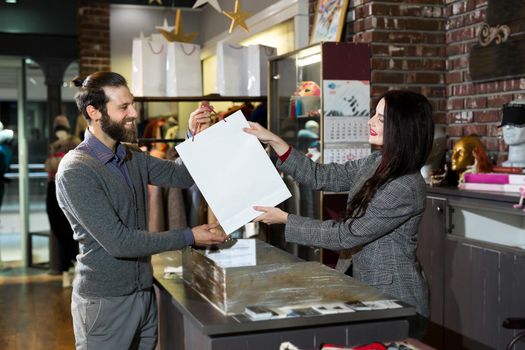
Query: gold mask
x=462 y=155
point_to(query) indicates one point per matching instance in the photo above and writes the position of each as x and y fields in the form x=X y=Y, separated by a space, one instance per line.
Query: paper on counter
x=171 y=272
x=242 y=253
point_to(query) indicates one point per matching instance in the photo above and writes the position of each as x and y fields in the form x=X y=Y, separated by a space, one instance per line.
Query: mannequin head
x=313 y=126
x=6 y=135
x=61 y=127
x=463 y=152
x=310 y=133
x=513 y=122
x=513 y=130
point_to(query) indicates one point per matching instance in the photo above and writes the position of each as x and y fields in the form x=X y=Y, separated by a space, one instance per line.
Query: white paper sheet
x=233 y=172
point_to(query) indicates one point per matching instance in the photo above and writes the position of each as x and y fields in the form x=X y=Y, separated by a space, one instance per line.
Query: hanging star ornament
x=213 y=3
x=157 y=1
x=175 y=33
x=238 y=17
x=165 y=26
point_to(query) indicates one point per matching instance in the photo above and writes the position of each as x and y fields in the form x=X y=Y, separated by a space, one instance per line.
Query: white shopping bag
x=231 y=70
x=232 y=171
x=148 y=59
x=183 y=70
x=257 y=68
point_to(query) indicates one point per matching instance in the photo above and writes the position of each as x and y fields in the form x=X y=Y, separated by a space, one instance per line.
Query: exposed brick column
x=93 y=36
x=407 y=39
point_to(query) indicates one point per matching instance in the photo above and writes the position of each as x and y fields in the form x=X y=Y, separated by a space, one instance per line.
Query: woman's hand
x=271 y=215
x=267 y=137
x=200 y=118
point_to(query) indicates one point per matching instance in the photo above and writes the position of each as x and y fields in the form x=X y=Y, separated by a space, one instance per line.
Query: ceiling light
x=10 y=1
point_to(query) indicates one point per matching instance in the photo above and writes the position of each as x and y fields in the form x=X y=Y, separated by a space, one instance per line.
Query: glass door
x=23 y=104
x=24 y=225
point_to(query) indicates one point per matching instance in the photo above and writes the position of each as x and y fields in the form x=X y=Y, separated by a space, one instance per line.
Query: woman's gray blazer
x=383 y=240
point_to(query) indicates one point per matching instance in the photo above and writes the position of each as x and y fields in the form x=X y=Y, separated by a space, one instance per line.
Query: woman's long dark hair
x=407 y=141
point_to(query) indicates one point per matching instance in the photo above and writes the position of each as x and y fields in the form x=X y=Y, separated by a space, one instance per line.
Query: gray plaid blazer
x=383 y=240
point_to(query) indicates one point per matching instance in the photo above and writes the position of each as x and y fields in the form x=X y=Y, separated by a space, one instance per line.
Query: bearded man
x=102 y=189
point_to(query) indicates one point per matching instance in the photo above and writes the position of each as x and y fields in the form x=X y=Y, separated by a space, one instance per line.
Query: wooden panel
x=346 y=61
x=312 y=338
x=488 y=326
x=507 y=294
x=483 y=283
x=505 y=12
x=496 y=61
x=171 y=323
x=457 y=303
x=512 y=294
x=430 y=253
x=482 y=287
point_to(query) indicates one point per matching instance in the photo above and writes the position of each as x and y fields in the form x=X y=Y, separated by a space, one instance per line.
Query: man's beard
x=117 y=131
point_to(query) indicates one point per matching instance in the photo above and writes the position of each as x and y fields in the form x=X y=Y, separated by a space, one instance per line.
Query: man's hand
x=208 y=234
x=200 y=118
x=271 y=215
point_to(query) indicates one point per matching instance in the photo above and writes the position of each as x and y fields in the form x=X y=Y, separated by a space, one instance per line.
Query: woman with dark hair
x=386 y=198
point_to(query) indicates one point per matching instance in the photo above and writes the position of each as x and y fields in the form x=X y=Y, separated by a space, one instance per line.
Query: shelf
x=212 y=97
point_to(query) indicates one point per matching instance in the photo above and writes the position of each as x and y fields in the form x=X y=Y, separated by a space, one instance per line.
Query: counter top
x=483 y=195
x=211 y=321
x=482 y=200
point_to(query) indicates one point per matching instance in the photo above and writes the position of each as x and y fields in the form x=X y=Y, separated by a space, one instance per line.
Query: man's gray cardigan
x=109 y=219
x=385 y=238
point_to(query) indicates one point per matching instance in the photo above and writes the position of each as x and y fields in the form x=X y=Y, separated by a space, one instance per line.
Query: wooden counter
x=188 y=321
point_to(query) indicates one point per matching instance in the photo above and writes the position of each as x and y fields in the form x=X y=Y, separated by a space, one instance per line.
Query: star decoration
x=238 y=17
x=175 y=33
x=165 y=26
x=157 y=1
x=213 y=3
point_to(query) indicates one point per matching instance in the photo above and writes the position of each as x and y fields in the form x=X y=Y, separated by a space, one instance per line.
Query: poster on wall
x=329 y=20
x=346 y=98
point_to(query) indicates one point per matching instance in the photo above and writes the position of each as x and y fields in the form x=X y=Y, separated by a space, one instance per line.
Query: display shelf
x=211 y=97
x=319 y=97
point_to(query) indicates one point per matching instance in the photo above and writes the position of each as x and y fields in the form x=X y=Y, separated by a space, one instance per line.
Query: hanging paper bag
x=257 y=69
x=148 y=59
x=183 y=70
x=231 y=70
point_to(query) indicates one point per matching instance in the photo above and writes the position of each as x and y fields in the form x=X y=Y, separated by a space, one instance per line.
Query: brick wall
x=407 y=39
x=474 y=108
x=93 y=35
x=423 y=45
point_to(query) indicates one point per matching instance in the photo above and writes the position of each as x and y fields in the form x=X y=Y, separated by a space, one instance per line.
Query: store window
x=37 y=142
